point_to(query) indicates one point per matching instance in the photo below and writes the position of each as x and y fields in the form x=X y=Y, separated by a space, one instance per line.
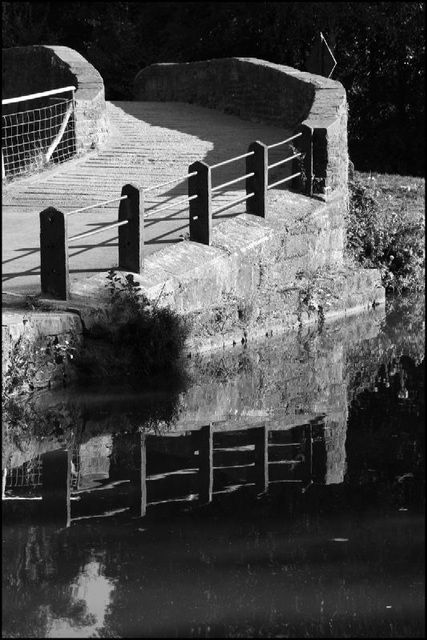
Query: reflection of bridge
x=149 y=144
x=142 y=471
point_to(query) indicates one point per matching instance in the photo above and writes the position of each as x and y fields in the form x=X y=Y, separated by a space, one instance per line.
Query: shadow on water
x=280 y=495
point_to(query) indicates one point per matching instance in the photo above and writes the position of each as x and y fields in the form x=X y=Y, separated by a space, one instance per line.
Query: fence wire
x=27 y=475
x=35 y=138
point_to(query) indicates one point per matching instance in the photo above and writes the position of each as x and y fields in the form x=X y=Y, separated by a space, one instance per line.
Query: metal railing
x=33 y=137
x=54 y=239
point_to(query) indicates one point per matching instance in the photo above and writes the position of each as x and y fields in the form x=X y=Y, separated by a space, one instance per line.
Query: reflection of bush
x=385 y=437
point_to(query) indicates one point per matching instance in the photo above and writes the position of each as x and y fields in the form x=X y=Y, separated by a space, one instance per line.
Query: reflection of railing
x=28 y=475
x=224 y=462
x=31 y=138
x=210 y=464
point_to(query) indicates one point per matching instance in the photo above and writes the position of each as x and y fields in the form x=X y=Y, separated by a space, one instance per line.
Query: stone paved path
x=149 y=143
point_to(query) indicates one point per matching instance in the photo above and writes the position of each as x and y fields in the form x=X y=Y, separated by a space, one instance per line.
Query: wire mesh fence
x=28 y=475
x=37 y=132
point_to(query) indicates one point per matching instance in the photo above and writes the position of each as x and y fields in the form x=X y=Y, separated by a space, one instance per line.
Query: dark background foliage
x=379 y=47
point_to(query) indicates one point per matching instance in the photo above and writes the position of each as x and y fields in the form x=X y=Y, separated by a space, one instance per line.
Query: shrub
x=149 y=339
x=386 y=234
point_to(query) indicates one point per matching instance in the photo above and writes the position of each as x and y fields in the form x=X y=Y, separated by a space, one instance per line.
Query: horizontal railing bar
x=33 y=96
x=164 y=184
x=104 y=487
x=168 y=474
x=284 y=180
x=190 y=497
x=172 y=204
x=276 y=164
x=234 y=466
x=284 y=444
x=277 y=144
x=91 y=233
x=230 y=204
x=220 y=164
x=226 y=184
x=93 y=206
x=284 y=481
x=233 y=487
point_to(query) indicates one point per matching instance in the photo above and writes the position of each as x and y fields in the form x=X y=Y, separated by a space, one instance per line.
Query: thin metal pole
x=80 y=236
x=231 y=204
x=93 y=206
x=276 y=164
x=220 y=164
x=277 y=144
x=270 y=186
x=33 y=96
x=226 y=184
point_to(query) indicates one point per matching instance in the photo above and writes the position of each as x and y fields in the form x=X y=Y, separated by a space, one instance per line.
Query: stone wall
x=34 y=69
x=260 y=91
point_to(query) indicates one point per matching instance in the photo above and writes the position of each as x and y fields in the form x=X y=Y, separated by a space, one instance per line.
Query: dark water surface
x=281 y=494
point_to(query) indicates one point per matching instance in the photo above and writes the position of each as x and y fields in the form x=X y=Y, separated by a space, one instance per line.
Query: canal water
x=277 y=492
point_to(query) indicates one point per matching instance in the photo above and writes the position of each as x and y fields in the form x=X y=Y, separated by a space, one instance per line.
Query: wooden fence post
x=54 y=274
x=257 y=184
x=56 y=486
x=138 y=477
x=131 y=235
x=205 y=464
x=200 y=207
x=261 y=458
x=304 y=163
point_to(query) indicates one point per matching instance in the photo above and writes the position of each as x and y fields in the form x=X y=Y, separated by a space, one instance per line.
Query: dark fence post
x=257 y=184
x=56 y=486
x=138 y=476
x=261 y=458
x=205 y=464
x=131 y=235
x=304 y=163
x=54 y=273
x=201 y=207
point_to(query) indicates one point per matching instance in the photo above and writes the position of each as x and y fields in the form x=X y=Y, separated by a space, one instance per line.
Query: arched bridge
x=152 y=142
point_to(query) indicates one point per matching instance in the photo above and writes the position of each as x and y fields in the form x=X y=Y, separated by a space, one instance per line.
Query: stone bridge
x=202 y=111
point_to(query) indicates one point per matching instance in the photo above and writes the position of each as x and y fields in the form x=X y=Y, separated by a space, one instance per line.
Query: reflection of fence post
x=54 y=253
x=201 y=207
x=131 y=235
x=138 y=478
x=257 y=184
x=306 y=471
x=318 y=452
x=205 y=464
x=261 y=458
x=304 y=163
x=56 y=486
x=3 y=483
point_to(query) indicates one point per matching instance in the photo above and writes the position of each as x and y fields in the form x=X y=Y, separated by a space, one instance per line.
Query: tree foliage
x=379 y=47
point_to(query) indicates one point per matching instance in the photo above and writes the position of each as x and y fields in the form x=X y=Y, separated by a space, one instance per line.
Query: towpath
x=149 y=143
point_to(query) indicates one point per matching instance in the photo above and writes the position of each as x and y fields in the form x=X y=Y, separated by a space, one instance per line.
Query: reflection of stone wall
x=94 y=459
x=335 y=437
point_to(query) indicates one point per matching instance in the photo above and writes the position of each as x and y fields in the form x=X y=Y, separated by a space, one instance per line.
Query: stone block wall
x=34 y=69
x=261 y=91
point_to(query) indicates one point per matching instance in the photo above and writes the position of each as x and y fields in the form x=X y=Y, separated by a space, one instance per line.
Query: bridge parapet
x=261 y=91
x=33 y=69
